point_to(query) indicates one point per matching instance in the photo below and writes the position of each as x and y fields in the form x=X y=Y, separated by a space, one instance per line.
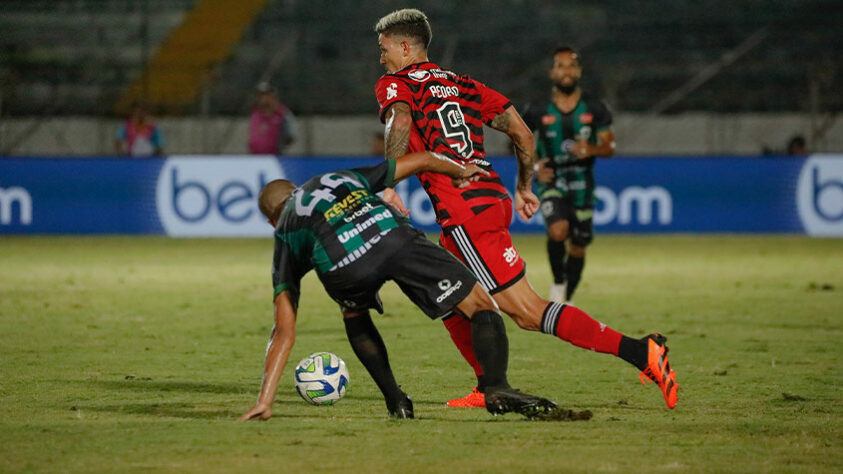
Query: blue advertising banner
x=215 y=196
x=77 y=196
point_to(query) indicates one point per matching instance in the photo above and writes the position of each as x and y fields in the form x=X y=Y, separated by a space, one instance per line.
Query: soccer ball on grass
x=321 y=378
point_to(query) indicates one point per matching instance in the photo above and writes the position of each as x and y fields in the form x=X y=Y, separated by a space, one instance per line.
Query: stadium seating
x=323 y=57
x=77 y=57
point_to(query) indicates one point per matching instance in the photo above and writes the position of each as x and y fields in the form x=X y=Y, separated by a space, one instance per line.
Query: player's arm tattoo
x=501 y=122
x=524 y=158
x=399 y=122
x=510 y=123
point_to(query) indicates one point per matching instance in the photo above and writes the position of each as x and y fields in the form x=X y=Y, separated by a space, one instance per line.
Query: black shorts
x=432 y=278
x=580 y=224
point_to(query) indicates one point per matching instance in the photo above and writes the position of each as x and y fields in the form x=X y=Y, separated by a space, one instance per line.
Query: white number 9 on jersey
x=453 y=123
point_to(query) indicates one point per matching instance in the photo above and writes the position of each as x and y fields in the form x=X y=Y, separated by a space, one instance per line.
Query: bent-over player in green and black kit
x=574 y=128
x=337 y=225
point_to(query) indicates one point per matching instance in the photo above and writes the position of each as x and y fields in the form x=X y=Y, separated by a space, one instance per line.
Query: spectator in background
x=272 y=126
x=139 y=136
x=797 y=146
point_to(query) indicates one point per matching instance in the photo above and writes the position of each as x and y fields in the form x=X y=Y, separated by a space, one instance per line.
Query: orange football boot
x=658 y=369
x=475 y=399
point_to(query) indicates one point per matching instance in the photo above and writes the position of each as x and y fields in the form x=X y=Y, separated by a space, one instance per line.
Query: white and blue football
x=321 y=378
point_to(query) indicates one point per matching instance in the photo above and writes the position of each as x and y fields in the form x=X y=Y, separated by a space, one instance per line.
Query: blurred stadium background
x=705 y=77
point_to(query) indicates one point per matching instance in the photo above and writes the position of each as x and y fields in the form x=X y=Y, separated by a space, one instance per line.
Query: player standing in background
x=574 y=128
x=426 y=107
x=336 y=224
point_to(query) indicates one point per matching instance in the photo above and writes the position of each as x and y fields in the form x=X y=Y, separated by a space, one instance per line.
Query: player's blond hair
x=407 y=22
x=273 y=196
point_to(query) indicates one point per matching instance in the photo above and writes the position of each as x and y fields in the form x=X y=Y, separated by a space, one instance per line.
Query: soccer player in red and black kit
x=426 y=107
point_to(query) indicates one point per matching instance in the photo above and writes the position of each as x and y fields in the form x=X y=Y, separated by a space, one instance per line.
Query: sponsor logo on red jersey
x=419 y=75
x=510 y=255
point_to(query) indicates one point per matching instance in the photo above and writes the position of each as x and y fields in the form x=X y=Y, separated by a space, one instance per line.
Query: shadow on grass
x=425 y=409
x=170 y=410
x=191 y=411
x=379 y=399
x=145 y=385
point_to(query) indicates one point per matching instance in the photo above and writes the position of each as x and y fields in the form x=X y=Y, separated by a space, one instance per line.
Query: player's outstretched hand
x=470 y=174
x=544 y=173
x=393 y=199
x=526 y=204
x=258 y=413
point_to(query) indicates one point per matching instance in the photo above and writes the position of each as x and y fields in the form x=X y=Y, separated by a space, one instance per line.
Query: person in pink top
x=139 y=136
x=272 y=126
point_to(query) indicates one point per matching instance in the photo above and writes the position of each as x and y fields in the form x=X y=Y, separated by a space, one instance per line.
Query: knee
x=478 y=300
x=576 y=251
x=558 y=231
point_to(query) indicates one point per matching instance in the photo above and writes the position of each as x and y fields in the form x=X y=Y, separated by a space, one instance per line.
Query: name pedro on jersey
x=443 y=92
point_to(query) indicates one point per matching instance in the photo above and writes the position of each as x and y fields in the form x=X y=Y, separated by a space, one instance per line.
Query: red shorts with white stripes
x=483 y=243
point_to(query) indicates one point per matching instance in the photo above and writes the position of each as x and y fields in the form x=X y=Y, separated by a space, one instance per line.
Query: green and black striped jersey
x=558 y=132
x=331 y=221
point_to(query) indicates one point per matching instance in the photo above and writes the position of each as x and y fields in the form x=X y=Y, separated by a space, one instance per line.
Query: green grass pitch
x=137 y=354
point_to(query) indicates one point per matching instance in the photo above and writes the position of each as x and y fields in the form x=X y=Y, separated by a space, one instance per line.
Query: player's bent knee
x=349 y=314
x=558 y=231
x=478 y=300
x=576 y=251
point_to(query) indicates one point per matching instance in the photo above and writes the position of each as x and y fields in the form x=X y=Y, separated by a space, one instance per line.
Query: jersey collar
x=421 y=65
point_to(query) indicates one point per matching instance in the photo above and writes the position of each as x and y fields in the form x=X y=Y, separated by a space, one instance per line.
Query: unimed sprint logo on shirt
x=214 y=196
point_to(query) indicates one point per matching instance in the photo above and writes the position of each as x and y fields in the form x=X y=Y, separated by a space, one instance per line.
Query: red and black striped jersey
x=448 y=112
